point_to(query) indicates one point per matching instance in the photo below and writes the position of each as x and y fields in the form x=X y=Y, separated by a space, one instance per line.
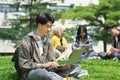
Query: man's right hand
x=46 y=65
x=51 y=64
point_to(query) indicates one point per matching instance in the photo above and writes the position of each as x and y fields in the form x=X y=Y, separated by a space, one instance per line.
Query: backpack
x=16 y=61
x=15 y=58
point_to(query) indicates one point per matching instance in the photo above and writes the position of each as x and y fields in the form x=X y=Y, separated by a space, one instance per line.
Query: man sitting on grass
x=36 y=59
x=114 y=52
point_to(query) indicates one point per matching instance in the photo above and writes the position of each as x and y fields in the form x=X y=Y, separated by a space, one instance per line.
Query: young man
x=36 y=57
x=115 y=41
x=34 y=63
x=114 y=52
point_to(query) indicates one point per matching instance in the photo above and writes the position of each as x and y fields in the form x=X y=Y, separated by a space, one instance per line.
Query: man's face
x=113 y=31
x=45 y=28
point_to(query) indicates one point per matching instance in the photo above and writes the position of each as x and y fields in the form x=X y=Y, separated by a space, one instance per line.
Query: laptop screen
x=75 y=56
x=73 y=59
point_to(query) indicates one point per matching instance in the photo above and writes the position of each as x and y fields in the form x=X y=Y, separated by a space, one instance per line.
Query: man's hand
x=51 y=64
x=46 y=65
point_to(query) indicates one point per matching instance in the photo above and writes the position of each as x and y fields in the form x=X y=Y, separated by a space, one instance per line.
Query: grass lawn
x=97 y=69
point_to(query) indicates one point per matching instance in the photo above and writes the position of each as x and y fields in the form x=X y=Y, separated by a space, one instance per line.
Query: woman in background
x=59 y=42
x=82 y=40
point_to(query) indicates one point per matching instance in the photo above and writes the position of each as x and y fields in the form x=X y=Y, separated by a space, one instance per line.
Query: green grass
x=7 y=71
x=102 y=69
x=97 y=69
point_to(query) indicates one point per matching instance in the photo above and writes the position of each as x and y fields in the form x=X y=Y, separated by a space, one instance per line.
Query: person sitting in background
x=114 y=52
x=82 y=40
x=59 y=42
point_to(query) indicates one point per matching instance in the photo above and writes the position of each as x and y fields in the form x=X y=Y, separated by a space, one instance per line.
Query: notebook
x=86 y=46
x=73 y=59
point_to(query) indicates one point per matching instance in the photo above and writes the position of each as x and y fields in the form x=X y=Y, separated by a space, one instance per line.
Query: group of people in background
x=59 y=43
x=82 y=39
x=49 y=50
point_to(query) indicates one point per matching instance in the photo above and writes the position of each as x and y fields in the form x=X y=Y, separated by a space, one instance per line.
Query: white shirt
x=40 y=44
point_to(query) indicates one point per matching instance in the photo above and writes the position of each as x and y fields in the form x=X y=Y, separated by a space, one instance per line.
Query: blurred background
x=17 y=18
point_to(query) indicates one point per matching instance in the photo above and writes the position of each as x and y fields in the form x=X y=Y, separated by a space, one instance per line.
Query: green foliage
x=109 y=9
x=98 y=35
x=15 y=33
x=110 y=21
x=66 y=14
x=97 y=69
x=79 y=13
x=69 y=34
x=114 y=15
x=38 y=7
x=23 y=23
x=7 y=71
x=57 y=15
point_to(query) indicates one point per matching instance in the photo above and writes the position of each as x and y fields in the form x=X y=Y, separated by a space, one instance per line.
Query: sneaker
x=83 y=73
x=115 y=59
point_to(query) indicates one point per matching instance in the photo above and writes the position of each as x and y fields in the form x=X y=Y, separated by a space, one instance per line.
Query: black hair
x=81 y=27
x=110 y=26
x=44 y=17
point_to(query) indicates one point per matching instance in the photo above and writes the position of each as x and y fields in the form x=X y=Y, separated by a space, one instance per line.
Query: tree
x=23 y=23
x=106 y=8
x=109 y=9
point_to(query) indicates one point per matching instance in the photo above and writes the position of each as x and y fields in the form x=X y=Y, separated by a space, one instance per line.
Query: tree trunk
x=105 y=46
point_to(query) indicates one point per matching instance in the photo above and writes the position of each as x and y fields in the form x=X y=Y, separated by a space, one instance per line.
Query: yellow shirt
x=56 y=41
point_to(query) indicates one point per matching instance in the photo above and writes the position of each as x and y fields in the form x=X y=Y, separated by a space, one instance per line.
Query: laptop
x=75 y=56
x=73 y=59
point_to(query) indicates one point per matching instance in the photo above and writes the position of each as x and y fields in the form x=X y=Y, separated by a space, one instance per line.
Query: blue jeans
x=42 y=74
x=103 y=56
x=87 y=55
x=116 y=55
x=74 y=71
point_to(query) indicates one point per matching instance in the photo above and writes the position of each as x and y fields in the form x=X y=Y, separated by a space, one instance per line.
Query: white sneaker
x=115 y=59
x=83 y=73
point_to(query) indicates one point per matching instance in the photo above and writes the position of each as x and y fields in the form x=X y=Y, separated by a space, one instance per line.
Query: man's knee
x=116 y=55
x=38 y=74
